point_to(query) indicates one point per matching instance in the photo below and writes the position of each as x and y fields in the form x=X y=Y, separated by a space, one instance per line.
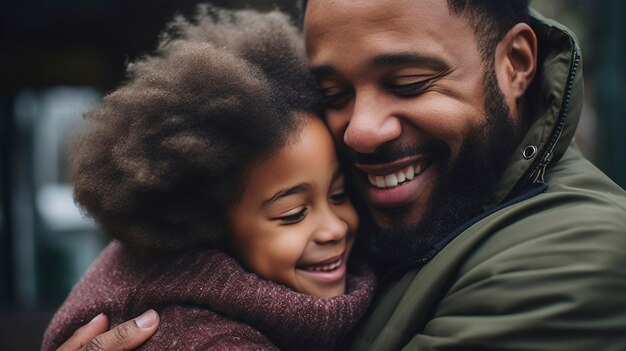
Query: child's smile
x=294 y=223
x=325 y=272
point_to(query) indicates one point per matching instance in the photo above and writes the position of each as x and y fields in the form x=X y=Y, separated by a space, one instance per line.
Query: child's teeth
x=324 y=268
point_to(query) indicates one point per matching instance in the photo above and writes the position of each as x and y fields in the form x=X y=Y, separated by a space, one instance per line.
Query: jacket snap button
x=529 y=152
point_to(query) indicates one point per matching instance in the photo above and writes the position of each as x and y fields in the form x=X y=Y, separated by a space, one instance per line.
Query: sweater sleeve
x=562 y=289
x=192 y=328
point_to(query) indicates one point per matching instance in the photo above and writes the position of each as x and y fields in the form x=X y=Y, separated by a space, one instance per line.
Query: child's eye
x=339 y=197
x=295 y=217
x=335 y=98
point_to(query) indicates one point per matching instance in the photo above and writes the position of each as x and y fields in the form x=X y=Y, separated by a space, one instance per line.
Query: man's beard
x=461 y=192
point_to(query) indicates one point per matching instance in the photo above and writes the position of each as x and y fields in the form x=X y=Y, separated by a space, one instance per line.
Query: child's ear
x=516 y=61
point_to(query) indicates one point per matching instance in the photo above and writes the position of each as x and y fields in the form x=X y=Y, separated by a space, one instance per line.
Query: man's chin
x=408 y=234
x=395 y=217
x=394 y=245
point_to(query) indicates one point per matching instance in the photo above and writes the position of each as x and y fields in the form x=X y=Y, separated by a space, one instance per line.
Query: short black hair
x=490 y=19
x=166 y=153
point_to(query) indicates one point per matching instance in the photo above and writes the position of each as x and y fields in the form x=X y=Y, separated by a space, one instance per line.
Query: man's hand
x=126 y=336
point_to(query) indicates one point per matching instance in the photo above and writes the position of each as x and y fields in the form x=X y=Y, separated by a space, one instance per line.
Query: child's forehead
x=307 y=158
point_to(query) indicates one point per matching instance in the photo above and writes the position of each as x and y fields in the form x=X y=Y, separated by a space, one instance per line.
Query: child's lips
x=329 y=271
x=325 y=265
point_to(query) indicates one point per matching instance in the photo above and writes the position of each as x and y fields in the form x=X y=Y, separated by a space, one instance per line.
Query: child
x=212 y=158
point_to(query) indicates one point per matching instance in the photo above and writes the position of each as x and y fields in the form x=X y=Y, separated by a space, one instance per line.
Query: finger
x=98 y=325
x=127 y=335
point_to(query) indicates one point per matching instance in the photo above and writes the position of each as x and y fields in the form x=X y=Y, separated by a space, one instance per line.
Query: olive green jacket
x=545 y=267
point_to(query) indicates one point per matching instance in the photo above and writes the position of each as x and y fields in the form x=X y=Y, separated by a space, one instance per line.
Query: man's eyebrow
x=323 y=71
x=389 y=60
x=408 y=59
x=296 y=189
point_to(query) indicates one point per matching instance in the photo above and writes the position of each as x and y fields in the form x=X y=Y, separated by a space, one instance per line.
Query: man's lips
x=398 y=183
x=396 y=173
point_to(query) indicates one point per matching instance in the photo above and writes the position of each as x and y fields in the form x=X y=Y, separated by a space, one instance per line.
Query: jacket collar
x=555 y=98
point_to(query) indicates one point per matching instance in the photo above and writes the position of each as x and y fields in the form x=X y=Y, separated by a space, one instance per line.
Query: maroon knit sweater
x=207 y=301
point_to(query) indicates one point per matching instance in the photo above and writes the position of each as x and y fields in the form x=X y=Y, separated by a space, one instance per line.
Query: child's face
x=294 y=223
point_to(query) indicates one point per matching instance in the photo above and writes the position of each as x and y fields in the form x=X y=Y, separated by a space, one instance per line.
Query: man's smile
x=399 y=177
x=396 y=183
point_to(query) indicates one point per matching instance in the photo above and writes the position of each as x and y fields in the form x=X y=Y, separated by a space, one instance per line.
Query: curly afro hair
x=166 y=153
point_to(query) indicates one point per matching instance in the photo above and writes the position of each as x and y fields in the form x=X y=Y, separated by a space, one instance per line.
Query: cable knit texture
x=206 y=300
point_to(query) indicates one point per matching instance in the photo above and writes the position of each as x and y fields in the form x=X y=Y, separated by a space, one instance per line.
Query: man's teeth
x=395 y=179
x=324 y=268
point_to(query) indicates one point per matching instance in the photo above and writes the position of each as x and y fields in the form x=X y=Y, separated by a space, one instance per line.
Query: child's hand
x=126 y=336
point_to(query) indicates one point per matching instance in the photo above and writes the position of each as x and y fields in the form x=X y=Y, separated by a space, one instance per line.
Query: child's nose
x=331 y=229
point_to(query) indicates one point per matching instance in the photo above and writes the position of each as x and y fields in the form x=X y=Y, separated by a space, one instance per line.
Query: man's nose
x=372 y=123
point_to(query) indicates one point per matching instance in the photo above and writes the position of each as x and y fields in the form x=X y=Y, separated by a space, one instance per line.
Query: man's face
x=404 y=86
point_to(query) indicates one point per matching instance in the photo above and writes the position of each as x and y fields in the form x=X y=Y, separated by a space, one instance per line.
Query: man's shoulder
x=580 y=211
x=553 y=230
x=552 y=262
x=569 y=236
x=579 y=199
x=524 y=276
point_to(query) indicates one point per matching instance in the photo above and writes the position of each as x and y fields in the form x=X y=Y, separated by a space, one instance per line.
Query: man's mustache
x=392 y=151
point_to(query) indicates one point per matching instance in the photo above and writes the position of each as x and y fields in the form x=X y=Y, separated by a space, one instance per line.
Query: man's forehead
x=354 y=7
x=329 y=10
x=372 y=28
x=324 y=16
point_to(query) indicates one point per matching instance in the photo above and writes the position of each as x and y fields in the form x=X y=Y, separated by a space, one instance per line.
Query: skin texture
x=126 y=336
x=312 y=224
x=447 y=104
x=400 y=91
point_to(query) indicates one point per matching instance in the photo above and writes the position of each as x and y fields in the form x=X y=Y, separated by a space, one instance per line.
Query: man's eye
x=409 y=89
x=335 y=98
x=339 y=197
x=293 y=218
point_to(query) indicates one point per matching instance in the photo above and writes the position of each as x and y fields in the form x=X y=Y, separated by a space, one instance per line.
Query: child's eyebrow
x=302 y=187
x=337 y=174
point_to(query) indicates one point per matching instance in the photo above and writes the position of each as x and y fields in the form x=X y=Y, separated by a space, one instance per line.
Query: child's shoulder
x=191 y=327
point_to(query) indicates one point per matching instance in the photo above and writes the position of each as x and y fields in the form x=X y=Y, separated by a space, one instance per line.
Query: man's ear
x=516 y=61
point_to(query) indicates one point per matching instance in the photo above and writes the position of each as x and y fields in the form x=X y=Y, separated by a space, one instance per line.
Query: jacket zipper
x=539 y=168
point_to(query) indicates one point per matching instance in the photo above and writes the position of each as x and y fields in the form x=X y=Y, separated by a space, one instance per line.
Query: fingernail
x=147 y=319
x=96 y=318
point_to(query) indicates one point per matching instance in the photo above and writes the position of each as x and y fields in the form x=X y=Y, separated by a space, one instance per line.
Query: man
x=492 y=229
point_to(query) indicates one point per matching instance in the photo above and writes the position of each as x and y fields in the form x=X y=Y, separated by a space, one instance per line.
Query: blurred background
x=59 y=57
